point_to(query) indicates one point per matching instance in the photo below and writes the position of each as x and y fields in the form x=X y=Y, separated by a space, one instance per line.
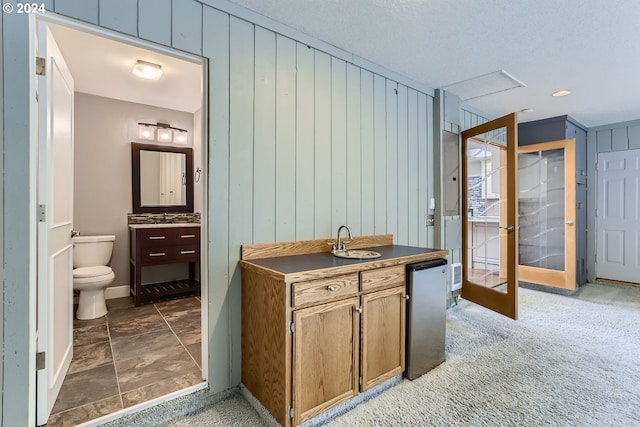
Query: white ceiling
x=591 y=47
x=103 y=67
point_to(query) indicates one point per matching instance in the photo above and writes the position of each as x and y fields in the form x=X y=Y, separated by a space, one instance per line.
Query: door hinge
x=41 y=67
x=292 y=328
x=290 y=411
x=40 y=361
x=42 y=213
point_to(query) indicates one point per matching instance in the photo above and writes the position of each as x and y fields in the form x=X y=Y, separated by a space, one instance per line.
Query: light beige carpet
x=568 y=361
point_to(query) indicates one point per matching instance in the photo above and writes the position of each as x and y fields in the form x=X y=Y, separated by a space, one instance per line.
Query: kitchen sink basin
x=357 y=254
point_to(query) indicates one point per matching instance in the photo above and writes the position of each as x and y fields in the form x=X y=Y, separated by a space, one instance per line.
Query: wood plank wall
x=452 y=224
x=603 y=139
x=303 y=137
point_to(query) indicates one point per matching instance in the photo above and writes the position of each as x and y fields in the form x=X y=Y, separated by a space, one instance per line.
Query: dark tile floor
x=130 y=356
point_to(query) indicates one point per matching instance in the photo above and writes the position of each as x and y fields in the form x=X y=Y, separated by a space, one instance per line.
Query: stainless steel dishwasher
x=426 y=312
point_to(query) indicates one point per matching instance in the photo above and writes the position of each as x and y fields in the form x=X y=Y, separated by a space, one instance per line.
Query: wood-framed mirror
x=161 y=178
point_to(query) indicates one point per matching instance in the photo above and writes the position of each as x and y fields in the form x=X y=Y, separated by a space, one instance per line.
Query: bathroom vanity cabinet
x=160 y=244
x=317 y=331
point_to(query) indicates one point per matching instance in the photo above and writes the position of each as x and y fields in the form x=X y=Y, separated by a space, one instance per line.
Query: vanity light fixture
x=563 y=92
x=162 y=132
x=147 y=70
x=180 y=136
x=146 y=131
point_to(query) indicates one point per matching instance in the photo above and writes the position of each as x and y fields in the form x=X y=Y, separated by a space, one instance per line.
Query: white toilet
x=91 y=275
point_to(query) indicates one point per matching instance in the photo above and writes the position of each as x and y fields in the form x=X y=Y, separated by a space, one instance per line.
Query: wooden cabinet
x=159 y=246
x=347 y=346
x=315 y=337
x=325 y=357
x=383 y=325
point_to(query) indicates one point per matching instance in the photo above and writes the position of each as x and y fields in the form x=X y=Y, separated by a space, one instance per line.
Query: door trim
x=565 y=279
x=52 y=18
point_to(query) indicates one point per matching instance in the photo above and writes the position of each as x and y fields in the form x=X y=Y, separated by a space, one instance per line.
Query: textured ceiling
x=589 y=46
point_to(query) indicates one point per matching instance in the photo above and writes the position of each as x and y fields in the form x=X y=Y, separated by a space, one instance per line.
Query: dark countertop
x=325 y=260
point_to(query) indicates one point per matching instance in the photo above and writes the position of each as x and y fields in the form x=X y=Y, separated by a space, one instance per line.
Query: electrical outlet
x=429 y=220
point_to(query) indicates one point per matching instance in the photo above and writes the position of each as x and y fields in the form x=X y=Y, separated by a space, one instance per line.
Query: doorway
x=618 y=216
x=108 y=110
x=547 y=213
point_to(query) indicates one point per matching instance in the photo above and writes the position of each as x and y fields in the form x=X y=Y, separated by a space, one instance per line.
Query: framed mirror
x=161 y=178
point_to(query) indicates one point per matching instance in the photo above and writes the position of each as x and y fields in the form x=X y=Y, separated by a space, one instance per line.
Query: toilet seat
x=98 y=270
x=92 y=277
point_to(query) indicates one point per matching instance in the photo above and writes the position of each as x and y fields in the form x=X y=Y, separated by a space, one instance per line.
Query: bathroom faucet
x=341 y=244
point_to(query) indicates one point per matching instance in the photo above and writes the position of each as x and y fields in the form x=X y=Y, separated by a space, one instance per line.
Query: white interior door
x=618 y=216
x=55 y=249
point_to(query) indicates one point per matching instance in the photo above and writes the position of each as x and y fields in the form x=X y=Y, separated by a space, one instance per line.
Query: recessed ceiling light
x=563 y=92
x=147 y=70
x=527 y=110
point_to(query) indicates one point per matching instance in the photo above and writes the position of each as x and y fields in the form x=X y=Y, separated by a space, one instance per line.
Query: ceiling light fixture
x=563 y=92
x=162 y=132
x=147 y=70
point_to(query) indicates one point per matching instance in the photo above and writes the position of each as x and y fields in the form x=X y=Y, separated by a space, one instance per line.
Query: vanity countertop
x=165 y=225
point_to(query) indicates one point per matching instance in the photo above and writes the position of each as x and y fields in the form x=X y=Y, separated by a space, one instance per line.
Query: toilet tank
x=90 y=251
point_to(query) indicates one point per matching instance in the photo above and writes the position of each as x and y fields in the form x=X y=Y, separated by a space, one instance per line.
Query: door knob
x=509 y=228
x=569 y=222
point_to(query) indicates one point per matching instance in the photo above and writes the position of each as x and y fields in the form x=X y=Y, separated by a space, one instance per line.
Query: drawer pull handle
x=187 y=236
x=332 y=288
x=156 y=237
x=158 y=254
x=187 y=252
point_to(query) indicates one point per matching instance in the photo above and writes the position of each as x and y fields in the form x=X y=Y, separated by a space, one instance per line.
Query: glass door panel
x=546 y=211
x=489 y=223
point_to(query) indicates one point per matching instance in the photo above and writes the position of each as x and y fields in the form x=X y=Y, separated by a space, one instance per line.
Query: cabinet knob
x=406 y=297
x=359 y=310
x=332 y=288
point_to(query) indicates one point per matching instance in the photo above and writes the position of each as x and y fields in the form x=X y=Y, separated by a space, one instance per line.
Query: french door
x=490 y=221
x=547 y=213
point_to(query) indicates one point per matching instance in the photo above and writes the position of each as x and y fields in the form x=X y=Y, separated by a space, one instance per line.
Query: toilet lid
x=99 y=270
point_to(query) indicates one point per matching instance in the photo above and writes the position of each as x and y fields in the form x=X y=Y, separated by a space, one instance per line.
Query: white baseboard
x=116 y=292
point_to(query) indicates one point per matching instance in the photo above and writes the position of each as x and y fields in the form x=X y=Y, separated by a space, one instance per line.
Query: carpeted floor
x=568 y=361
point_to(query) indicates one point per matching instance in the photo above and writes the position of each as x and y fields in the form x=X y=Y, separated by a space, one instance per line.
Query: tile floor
x=131 y=355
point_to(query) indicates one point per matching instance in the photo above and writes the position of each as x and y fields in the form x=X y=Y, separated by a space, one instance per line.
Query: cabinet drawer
x=323 y=290
x=383 y=278
x=154 y=237
x=170 y=254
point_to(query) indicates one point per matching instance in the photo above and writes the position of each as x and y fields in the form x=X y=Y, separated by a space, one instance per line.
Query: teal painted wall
x=302 y=137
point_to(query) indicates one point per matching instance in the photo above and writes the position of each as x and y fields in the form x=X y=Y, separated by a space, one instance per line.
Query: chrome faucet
x=341 y=244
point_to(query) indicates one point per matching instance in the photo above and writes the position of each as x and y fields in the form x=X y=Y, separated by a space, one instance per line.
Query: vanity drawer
x=383 y=278
x=160 y=237
x=187 y=253
x=323 y=290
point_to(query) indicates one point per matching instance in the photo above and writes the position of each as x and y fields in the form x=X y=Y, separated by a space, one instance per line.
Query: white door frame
x=33 y=167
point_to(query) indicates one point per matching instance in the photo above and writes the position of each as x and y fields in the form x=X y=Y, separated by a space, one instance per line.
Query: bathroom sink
x=357 y=254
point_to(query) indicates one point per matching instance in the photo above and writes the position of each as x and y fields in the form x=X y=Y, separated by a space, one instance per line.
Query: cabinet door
x=383 y=335
x=325 y=357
